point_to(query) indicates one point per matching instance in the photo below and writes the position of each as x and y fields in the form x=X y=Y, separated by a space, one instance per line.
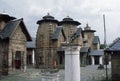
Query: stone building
x=97 y=57
x=113 y=54
x=84 y=55
x=31 y=52
x=90 y=51
x=72 y=31
x=53 y=35
x=88 y=36
x=69 y=27
x=48 y=39
x=13 y=38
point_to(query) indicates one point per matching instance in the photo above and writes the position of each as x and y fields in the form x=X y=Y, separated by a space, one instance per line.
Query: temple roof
x=80 y=31
x=77 y=34
x=85 y=49
x=47 y=18
x=31 y=44
x=10 y=28
x=5 y=17
x=115 y=45
x=96 y=40
x=88 y=29
x=97 y=52
x=57 y=33
x=69 y=21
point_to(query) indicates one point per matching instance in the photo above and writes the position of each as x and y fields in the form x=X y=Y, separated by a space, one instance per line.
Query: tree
x=102 y=46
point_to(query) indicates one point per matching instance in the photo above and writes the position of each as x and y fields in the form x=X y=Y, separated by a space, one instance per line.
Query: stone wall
x=43 y=44
x=115 y=62
x=89 y=38
x=69 y=29
x=17 y=43
x=2 y=25
x=4 y=57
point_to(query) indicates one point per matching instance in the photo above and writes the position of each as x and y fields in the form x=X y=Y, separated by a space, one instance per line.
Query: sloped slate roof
x=79 y=31
x=6 y=17
x=85 y=49
x=7 y=31
x=31 y=44
x=56 y=34
x=96 y=40
x=77 y=34
x=11 y=26
x=96 y=52
x=115 y=45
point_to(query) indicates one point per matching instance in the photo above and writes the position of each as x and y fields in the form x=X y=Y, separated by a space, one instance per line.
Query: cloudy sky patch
x=84 y=11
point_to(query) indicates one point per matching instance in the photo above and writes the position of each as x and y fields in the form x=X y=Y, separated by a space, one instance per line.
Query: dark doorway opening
x=61 y=57
x=18 y=60
x=96 y=60
x=29 y=59
x=90 y=60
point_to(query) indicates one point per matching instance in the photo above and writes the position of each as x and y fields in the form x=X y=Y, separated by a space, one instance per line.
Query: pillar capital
x=72 y=48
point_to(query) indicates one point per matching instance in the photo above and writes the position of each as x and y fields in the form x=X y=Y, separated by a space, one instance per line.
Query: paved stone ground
x=88 y=73
x=92 y=73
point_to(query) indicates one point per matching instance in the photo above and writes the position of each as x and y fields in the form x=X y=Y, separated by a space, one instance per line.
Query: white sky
x=84 y=11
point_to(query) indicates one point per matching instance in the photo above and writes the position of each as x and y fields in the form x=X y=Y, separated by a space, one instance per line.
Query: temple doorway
x=61 y=59
x=18 y=60
x=96 y=60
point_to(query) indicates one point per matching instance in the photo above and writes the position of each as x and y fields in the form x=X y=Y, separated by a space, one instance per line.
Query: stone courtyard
x=88 y=73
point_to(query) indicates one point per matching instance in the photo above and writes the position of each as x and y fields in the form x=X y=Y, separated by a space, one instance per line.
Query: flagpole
x=105 y=46
x=104 y=30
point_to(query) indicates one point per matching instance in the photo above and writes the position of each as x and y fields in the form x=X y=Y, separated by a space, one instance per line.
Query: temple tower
x=89 y=36
x=4 y=18
x=69 y=27
x=47 y=27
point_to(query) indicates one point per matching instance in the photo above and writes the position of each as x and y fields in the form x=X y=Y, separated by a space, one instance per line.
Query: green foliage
x=102 y=46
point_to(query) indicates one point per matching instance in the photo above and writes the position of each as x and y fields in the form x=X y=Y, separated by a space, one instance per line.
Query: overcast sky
x=84 y=11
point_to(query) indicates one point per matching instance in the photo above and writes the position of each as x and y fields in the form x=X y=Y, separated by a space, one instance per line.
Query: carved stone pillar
x=72 y=63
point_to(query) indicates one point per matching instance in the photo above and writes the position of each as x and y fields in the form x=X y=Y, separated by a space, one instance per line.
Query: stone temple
x=13 y=38
x=52 y=37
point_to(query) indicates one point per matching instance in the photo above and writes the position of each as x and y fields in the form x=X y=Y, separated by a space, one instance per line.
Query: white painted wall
x=93 y=60
x=33 y=57
x=100 y=60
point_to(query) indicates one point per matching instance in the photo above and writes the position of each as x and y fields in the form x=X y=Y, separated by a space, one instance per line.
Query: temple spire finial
x=48 y=14
x=68 y=16
x=4 y=12
x=87 y=25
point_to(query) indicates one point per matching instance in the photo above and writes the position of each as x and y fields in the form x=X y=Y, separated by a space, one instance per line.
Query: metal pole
x=104 y=30
x=105 y=47
x=106 y=67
